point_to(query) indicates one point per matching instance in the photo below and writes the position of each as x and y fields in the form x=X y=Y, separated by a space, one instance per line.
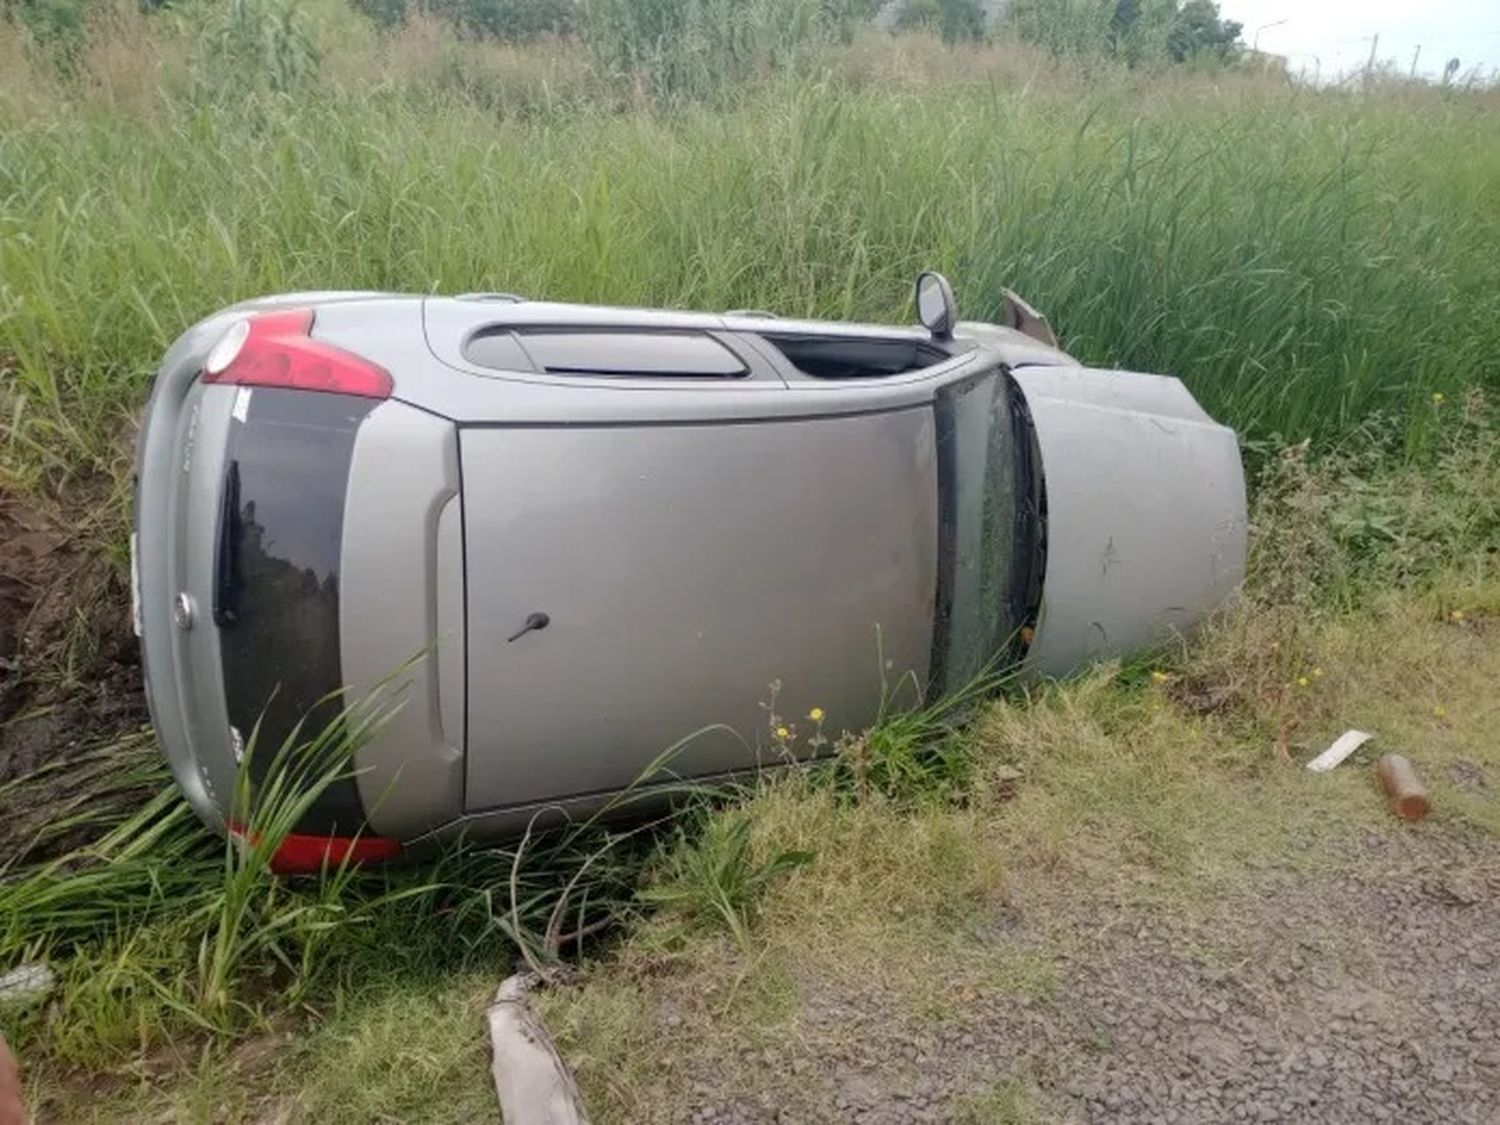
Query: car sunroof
x=609 y=353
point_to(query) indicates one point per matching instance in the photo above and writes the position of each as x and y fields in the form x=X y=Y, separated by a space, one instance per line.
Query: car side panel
x=401 y=623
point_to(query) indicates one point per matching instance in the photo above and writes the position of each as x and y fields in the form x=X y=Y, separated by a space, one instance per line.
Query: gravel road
x=1363 y=997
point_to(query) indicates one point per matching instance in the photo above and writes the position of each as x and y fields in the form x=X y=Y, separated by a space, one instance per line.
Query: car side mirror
x=935 y=306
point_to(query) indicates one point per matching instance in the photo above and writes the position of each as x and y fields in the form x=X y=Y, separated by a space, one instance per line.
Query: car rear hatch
x=288 y=546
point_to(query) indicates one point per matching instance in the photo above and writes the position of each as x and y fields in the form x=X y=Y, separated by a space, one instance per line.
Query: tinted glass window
x=990 y=529
x=853 y=357
x=607 y=353
x=277 y=596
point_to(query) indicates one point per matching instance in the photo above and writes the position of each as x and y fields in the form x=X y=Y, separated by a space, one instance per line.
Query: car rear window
x=278 y=558
x=606 y=353
x=854 y=357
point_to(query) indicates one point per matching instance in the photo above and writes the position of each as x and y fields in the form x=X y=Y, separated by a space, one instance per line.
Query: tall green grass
x=1301 y=258
x=696 y=48
x=154 y=929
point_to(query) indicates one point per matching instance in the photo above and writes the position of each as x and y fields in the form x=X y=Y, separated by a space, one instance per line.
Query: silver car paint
x=1145 y=520
x=401 y=615
x=179 y=464
x=449 y=388
x=1145 y=512
x=684 y=569
x=1011 y=346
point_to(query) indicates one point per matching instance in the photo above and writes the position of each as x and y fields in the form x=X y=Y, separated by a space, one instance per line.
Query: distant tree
x=1138 y=28
x=1127 y=14
x=1132 y=30
x=918 y=15
x=845 y=18
x=848 y=15
x=1200 y=30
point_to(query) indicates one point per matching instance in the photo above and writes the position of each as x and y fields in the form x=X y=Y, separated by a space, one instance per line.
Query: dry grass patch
x=888 y=912
x=1129 y=797
x=403 y=1049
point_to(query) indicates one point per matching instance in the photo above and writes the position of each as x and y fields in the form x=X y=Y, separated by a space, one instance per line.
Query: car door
x=682 y=570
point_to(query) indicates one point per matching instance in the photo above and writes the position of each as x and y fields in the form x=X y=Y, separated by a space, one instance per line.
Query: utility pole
x=1370 y=66
x=1255 y=39
x=1415 y=55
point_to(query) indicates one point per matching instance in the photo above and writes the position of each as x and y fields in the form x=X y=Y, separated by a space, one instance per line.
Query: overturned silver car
x=601 y=529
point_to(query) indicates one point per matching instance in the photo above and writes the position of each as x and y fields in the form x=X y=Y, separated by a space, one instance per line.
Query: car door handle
x=534 y=621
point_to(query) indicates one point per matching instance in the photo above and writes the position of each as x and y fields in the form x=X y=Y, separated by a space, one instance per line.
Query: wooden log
x=1408 y=797
x=531 y=1080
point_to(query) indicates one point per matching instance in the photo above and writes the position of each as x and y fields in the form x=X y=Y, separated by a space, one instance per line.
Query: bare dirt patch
x=69 y=668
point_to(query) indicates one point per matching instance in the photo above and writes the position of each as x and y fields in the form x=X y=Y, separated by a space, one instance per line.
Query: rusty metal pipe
x=1408 y=797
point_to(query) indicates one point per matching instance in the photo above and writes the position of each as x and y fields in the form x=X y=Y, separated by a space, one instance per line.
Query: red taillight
x=274 y=349
x=301 y=854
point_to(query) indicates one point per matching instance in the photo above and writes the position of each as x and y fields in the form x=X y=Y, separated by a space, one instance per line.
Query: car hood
x=1146 y=515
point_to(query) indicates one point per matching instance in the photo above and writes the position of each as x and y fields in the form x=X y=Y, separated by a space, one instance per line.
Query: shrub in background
x=513 y=21
x=48 y=20
x=1064 y=27
x=1132 y=30
x=386 y=13
x=957 y=21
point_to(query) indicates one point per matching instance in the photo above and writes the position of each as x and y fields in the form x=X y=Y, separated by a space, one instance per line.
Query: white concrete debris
x=1346 y=744
x=27 y=982
x=531 y=1080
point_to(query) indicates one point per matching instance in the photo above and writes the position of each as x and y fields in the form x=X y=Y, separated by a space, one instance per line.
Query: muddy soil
x=70 y=679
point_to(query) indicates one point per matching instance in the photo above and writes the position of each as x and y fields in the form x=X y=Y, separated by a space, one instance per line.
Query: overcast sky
x=1337 y=33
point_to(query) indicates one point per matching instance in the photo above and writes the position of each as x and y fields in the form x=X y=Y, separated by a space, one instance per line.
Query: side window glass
x=854 y=357
x=986 y=539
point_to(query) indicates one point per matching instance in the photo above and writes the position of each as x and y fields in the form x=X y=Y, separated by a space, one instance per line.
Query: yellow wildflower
x=1437 y=398
x=783 y=734
x=1439 y=711
x=1456 y=616
x=1160 y=677
x=1317 y=673
x=1302 y=681
x=816 y=714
